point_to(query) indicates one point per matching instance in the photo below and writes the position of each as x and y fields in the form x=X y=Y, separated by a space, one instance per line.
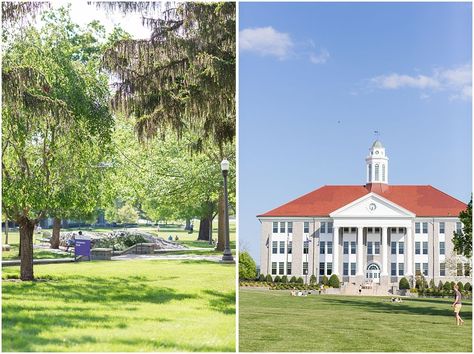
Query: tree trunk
x=204 y=225
x=188 y=225
x=27 y=228
x=221 y=224
x=6 y=231
x=210 y=230
x=56 y=232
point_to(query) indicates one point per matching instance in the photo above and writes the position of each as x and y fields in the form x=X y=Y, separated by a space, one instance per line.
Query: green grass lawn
x=121 y=306
x=274 y=321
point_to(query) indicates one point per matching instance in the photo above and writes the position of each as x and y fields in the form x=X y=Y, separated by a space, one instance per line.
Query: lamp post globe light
x=227 y=255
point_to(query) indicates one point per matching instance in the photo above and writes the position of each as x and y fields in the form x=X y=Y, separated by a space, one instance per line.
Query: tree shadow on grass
x=168 y=345
x=384 y=306
x=222 y=302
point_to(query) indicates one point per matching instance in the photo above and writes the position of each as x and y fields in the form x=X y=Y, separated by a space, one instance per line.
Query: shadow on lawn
x=384 y=306
x=222 y=302
x=169 y=345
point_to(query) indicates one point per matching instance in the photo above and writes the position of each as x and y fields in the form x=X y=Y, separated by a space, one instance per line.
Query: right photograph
x=355 y=177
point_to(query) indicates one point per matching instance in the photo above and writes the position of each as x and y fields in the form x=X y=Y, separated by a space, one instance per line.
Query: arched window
x=383 y=173
x=370 y=172
x=376 y=172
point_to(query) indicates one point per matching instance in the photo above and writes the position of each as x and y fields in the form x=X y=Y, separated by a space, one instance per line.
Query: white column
x=360 y=247
x=335 y=250
x=409 y=252
x=384 y=252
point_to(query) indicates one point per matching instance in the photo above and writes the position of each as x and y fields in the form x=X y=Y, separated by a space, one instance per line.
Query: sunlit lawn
x=121 y=306
x=274 y=321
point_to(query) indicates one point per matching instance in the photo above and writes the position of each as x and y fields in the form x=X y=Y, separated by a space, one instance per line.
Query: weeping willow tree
x=182 y=78
x=55 y=117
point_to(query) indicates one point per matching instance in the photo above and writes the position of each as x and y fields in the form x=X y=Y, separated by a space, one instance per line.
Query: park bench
x=45 y=238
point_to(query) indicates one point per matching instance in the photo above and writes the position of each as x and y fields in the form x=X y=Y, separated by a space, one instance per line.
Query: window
x=275 y=247
x=322 y=228
x=401 y=247
x=282 y=227
x=274 y=268
x=281 y=268
x=322 y=246
x=425 y=227
x=282 y=247
x=329 y=227
x=393 y=269
x=353 y=269
x=417 y=228
x=288 y=268
x=467 y=269
x=459 y=269
x=442 y=269
x=383 y=173
x=346 y=248
x=328 y=268
x=290 y=247
x=417 y=247
x=401 y=230
x=353 y=247
x=306 y=227
x=393 y=230
x=376 y=247
x=394 y=247
x=305 y=247
x=345 y=268
x=345 y=230
x=400 y=269
x=442 y=249
x=370 y=173
x=369 y=230
x=458 y=227
x=425 y=269
x=321 y=268
x=441 y=227
x=369 y=248
x=417 y=268
x=275 y=227
x=425 y=247
x=376 y=172
x=329 y=247
x=290 y=227
x=305 y=268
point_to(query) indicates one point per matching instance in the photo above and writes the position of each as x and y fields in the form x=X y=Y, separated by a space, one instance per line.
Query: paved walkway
x=212 y=258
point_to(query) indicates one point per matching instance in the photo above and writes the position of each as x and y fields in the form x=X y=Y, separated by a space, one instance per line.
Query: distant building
x=372 y=233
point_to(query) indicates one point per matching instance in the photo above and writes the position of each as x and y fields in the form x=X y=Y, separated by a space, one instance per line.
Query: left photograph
x=118 y=176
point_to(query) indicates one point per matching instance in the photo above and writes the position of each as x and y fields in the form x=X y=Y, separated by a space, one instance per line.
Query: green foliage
x=467 y=286
x=460 y=286
x=325 y=280
x=447 y=286
x=403 y=284
x=334 y=281
x=284 y=279
x=432 y=284
x=300 y=280
x=293 y=279
x=463 y=241
x=127 y=214
x=277 y=279
x=261 y=277
x=247 y=266
x=440 y=285
x=269 y=278
x=313 y=279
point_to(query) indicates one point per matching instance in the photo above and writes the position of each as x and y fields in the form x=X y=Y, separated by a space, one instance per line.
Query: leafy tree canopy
x=463 y=240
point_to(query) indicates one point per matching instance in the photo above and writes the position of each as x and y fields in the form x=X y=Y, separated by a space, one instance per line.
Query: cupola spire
x=377 y=164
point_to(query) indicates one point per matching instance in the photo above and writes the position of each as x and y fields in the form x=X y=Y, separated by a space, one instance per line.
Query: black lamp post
x=227 y=255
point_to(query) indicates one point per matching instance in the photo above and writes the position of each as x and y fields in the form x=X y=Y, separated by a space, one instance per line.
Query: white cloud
x=319 y=58
x=457 y=81
x=266 y=41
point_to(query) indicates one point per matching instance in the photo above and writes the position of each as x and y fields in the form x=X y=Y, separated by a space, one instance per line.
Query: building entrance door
x=373 y=273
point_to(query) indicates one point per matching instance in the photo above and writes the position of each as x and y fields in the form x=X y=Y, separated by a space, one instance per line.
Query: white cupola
x=377 y=164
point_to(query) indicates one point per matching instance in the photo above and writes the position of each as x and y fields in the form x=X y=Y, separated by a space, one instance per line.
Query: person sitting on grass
x=71 y=242
x=457 y=305
x=293 y=292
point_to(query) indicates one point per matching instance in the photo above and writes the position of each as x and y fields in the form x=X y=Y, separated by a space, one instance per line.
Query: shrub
x=300 y=280
x=440 y=285
x=312 y=279
x=269 y=278
x=293 y=279
x=467 y=286
x=325 y=280
x=247 y=266
x=452 y=285
x=284 y=279
x=432 y=284
x=404 y=284
x=261 y=277
x=460 y=286
x=277 y=279
x=334 y=281
x=447 y=286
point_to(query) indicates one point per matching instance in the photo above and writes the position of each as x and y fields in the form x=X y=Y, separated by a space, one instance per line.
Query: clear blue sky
x=316 y=80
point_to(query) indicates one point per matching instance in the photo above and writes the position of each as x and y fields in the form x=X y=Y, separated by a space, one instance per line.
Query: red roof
x=420 y=200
